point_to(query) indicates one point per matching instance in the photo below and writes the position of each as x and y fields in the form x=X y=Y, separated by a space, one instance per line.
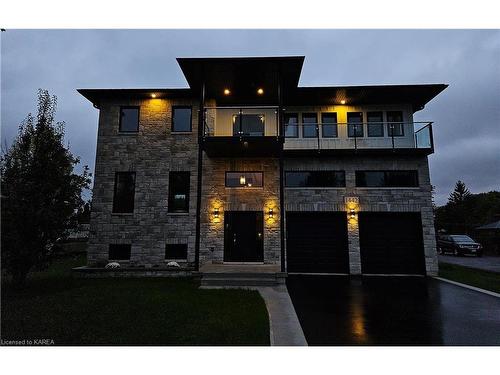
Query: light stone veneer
x=417 y=199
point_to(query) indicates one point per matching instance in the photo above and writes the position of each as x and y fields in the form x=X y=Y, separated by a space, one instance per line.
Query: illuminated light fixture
x=342 y=101
x=153 y=96
x=216 y=213
x=270 y=213
x=260 y=91
x=227 y=92
x=243 y=180
x=352 y=213
x=249 y=184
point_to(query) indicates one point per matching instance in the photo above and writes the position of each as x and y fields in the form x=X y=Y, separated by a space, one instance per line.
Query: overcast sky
x=466 y=114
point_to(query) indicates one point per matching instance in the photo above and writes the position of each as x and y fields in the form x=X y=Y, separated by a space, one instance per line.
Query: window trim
x=310 y=123
x=336 y=123
x=296 y=114
x=113 y=209
x=116 y=259
x=316 y=187
x=243 y=187
x=169 y=201
x=417 y=186
x=172 y=125
x=138 y=107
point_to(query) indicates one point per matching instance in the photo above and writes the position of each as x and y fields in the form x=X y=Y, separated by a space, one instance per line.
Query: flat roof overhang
x=242 y=76
x=416 y=95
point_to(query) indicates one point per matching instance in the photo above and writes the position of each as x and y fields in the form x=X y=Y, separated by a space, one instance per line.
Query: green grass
x=471 y=276
x=143 y=311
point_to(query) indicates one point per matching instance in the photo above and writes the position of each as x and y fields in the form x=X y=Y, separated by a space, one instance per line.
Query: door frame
x=226 y=213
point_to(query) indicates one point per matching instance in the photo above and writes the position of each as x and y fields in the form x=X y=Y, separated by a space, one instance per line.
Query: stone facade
x=418 y=199
x=151 y=153
x=216 y=195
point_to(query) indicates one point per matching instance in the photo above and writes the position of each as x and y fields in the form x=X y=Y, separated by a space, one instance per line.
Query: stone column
x=354 y=249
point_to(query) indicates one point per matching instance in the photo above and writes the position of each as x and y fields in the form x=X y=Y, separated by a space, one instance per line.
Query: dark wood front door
x=243 y=236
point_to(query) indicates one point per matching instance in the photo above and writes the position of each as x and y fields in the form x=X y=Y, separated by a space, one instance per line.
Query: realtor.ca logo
x=27 y=342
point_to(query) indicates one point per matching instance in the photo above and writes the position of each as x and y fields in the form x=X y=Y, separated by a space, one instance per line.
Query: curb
x=468 y=287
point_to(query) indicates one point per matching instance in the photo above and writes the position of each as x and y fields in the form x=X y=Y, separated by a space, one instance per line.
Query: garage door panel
x=391 y=243
x=317 y=242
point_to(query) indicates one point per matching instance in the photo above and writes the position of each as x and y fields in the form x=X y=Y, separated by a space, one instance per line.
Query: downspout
x=201 y=125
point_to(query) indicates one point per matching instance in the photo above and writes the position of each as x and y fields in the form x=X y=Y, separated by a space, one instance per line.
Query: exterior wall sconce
x=243 y=180
x=352 y=214
x=270 y=213
x=352 y=206
x=216 y=213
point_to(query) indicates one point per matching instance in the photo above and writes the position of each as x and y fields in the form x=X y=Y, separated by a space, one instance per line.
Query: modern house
x=247 y=168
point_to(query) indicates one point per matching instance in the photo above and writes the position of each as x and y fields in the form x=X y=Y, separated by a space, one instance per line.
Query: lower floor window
x=119 y=252
x=244 y=179
x=315 y=179
x=176 y=251
x=386 y=179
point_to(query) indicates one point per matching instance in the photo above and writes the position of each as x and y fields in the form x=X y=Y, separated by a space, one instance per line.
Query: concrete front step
x=242 y=279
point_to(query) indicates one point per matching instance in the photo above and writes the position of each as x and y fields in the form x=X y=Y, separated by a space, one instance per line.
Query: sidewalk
x=485 y=263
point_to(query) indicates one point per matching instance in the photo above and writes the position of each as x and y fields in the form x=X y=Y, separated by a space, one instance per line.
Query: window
x=178 y=192
x=249 y=124
x=244 y=179
x=375 y=124
x=129 y=119
x=181 y=119
x=177 y=251
x=395 y=124
x=386 y=178
x=291 y=125
x=354 y=124
x=309 y=125
x=315 y=179
x=329 y=125
x=123 y=200
x=119 y=252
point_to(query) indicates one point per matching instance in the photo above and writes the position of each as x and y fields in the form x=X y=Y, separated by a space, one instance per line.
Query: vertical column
x=429 y=239
x=354 y=249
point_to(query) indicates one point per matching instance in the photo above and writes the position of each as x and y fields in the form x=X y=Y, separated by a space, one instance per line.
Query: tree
x=460 y=194
x=40 y=190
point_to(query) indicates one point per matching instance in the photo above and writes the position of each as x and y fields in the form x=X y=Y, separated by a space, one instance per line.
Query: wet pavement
x=342 y=310
x=486 y=263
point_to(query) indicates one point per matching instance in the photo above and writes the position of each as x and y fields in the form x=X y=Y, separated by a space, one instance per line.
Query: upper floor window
x=129 y=119
x=249 y=124
x=119 y=252
x=315 y=179
x=244 y=179
x=123 y=199
x=291 y=125
x=386 y=179
x=329 y=125
x=309 y=125
x=395 y=124
x=178 y=192
x=355 y=124
x=181 y=119
x=375 y=124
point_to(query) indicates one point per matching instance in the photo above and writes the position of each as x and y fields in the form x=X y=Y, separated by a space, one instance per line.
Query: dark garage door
x=317 y=242
x=391 y=243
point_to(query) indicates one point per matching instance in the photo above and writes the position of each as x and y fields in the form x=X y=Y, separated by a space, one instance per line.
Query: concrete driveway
x=486 y=263
x=342 y=310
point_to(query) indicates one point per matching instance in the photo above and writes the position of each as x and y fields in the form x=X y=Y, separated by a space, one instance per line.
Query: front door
x=243 y=236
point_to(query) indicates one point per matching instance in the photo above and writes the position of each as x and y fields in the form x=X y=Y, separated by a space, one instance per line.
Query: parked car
x=458 y=245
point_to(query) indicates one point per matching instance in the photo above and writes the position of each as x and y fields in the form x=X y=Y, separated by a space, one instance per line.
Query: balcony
x=241 y=132
x=367 y=138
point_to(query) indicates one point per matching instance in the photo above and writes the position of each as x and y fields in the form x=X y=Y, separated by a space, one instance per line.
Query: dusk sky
x=466 y=114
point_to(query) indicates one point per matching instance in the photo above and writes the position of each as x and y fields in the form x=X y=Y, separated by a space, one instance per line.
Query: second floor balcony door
x=249 y=125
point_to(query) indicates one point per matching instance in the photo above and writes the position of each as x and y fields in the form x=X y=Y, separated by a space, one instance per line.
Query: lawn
x=144 y=311
x=471 y=276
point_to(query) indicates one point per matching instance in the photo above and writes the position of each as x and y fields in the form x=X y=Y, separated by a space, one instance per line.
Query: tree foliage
x=40 y=190
x=466 y=211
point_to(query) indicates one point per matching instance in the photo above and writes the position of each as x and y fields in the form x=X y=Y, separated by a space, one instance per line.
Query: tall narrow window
x=309 y=125
x=375 y=124
x=181 y=119
x=129 y=119
x=291 y=125
x=395 y=124
x=123 y=200
x=329 y=125
x=178 y=192
x=355 y=124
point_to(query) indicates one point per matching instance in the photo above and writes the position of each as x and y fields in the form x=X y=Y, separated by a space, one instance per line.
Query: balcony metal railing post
x=355 y=136
x=240 y=132
x=317 y=136
x=392 y=135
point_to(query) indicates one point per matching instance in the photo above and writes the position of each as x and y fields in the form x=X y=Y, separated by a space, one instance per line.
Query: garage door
x=391 y=243
x=317 y=242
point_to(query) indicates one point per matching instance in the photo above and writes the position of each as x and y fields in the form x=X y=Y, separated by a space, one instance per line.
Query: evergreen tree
x=459 y=194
